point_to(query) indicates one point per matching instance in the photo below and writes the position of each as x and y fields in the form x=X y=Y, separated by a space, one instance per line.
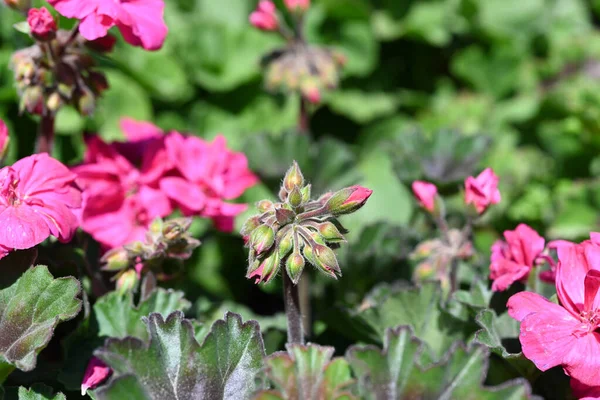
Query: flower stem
x=303 y=117
x=45 y=140
x=292 y=311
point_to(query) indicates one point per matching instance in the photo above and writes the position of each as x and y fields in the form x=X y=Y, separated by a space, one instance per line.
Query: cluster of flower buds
x=19 y=5
x=298 y=67
x=297 y=229
x=58 y=69
x=165 y=240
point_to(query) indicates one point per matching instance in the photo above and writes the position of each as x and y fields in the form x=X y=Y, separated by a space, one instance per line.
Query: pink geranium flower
x=208 y=174
x=425 y=193
x=37 y=199
x=4 y=138
x=565 y=334
x=265 y=16
x=121 y=185
x=513 y=259
x=141 y=22
x=482 y=191
x=41 y=23
x=95 y=373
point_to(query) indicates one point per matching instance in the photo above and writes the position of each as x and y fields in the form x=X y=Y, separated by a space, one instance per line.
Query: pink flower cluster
x=41 y=23
x=141 y=22
x=565 y=334
x=38 y=198
x=127 y=185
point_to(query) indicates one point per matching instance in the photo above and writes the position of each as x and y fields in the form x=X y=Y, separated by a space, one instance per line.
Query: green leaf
x=118 y=317
x=363 y=107
x=174 y=366
x=39 y=392
x=30 y=309
x=418 y=307
x=394 y=373
x=307 y=372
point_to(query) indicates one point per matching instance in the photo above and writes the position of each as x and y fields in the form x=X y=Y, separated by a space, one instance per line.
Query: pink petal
x=522 y=304
x=184 y=193
x=155 y=202
x=95 y=373
x=583 y=360
x=570 y=275
x=22 y=227
x=505 y=272
x=143 y=23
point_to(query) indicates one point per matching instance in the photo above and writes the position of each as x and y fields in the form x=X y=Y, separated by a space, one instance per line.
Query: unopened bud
x=348 y=200
x=19 y=5
x=86 y=103
x=32 y=99
x=295 y=197
x=283 y=194
x=251 y=224
x=311 y=92
x=41 y=24
x=285 y=243
x=54 y=102
x=297 y=6
x=116 y=260
x=267 y=269
x=293 y=178
x=306 y=193
x=330 y=232
x=127 y=282
x=294 y=266
x=264 y=205
x=327 y=261
x=262 y=238
x=4 y=139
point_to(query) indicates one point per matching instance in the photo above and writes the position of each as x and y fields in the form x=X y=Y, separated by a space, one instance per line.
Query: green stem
x=45 y=140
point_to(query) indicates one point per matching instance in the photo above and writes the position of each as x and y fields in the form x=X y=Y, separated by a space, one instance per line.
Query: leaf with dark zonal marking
x=30 y=309
x=172 y=365
x=307 y=372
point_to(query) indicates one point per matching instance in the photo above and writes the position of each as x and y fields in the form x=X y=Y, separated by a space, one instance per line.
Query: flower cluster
x=127 y=185
x=38 y=199
x=58 y=70
x=299 y=67
x=299 y=229
x=565 y=334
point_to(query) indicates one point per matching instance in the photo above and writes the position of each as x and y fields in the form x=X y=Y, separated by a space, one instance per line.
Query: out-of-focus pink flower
x=297 y=5
x=4 y=139
x=141 y=22
x=208 y=174
x=483 y=190
x=425 y=193
x=41 y=23
x=513 y=259
x=104 y=44
x=565 y=334
x=95 y=373
x=265 y=16
x=121 y=190
x=584 y=392
x=38 y=198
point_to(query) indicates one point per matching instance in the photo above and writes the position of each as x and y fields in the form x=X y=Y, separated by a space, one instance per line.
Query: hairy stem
x=292 y=311
x=45 y=140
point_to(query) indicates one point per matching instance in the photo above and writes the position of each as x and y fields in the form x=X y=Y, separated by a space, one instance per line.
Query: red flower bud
x=41 y=23
x=265 y=18
x=425 y=193
x=482 y=191
x=348 y=200
x=96 y=373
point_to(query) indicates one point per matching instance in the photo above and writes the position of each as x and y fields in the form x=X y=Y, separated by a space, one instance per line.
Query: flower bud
x=297 y=6
x=293 y=178
x=127 y=282
x=330 y=232
x=265 y=16
x=32 y=100
x=262 y=238
x=295 y=197
x=264 y=205
x=306 y=193
x=425 y=193
x=326 y=260
x=251 y=224
x=310 y=91
x=116 y=260
x=19 y=5
x=482 y=191
x=348 y=200
x=4 y=139
x=54 y=102
x=86 y=103
x=267 y=269
x=283 y=194
x=294 y=266
x=285 y=243
x=95 y=373
x=41 y=23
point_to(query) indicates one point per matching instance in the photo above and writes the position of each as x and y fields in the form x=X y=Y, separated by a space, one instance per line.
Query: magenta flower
x=294 y=5
x=41 y=23
x=425 y=193
x=38 y=198
x=141 y=22
x=95 y=373
x=513 y=259
x=265 y=16
x=121 y=185
x=4 y=138
x=483 y=190
x=565 y=334
x=207 y=174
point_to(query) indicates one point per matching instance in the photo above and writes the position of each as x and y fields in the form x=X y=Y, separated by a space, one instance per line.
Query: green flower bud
x=285 y=243
x=251 y=224
x=326 y=260
x=348 y=200
x=115 y=260
x=295 y=197
x=127 y=282
x=264 y=205
x=262 y=238
x=306 y=193
x=330 y=232
x=267 y=269
x=294 y=266
x=293 y=178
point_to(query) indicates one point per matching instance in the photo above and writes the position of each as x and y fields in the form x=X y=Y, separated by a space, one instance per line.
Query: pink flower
x=294 y=5
x=121 y=185
x=38 y=198
x=513 y=259
x=141 y=22
x=565 y=334
x=483 y=190
x=208 y=174
x=95 y=373
x=41 y=23
x=425 y=193
x=265 y=17
x=4 y=139
x=584 y=392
